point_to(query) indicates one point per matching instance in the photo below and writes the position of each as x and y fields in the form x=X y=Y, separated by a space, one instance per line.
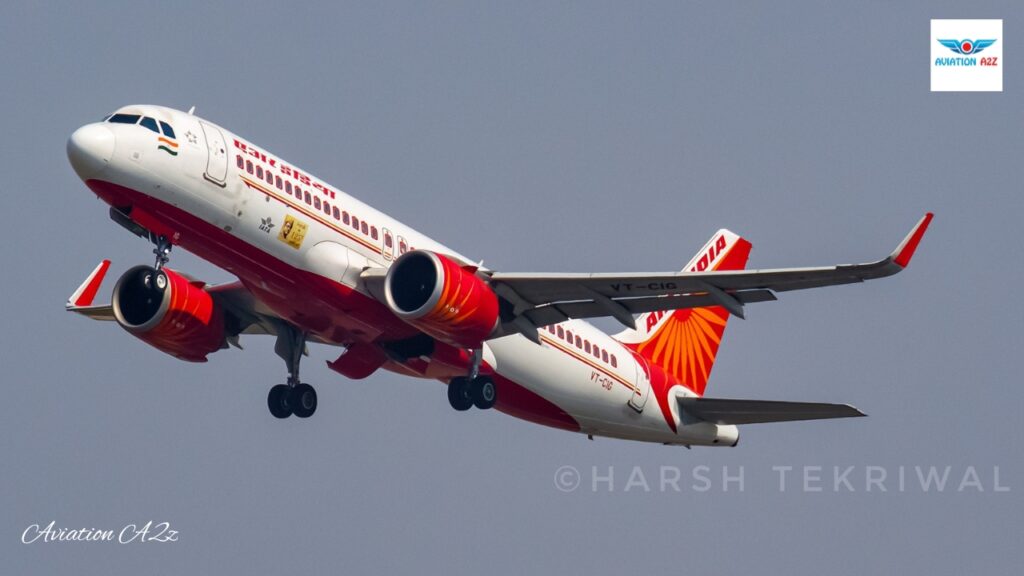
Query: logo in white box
x=967 y=55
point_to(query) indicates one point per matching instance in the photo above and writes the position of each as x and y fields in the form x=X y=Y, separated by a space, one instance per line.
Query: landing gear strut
x=294 y=397
x=157 y=279
x=464 y=392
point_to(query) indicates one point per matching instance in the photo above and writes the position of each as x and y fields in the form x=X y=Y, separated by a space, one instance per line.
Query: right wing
x=549 y=298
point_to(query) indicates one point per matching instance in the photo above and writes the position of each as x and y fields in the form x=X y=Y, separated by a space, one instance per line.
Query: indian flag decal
x=169 y=146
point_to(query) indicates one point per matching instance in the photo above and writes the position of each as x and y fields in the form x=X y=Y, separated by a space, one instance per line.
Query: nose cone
x=90 y=149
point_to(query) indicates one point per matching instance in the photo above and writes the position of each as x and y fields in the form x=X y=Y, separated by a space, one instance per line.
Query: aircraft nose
x=90 y=149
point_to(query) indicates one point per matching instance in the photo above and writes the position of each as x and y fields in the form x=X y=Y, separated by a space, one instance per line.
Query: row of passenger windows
x=304 y=195
x=583 y=344
x=145 y=121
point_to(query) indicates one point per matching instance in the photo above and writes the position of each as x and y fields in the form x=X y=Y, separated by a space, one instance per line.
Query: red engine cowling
x=444 y=300
x=179 y=318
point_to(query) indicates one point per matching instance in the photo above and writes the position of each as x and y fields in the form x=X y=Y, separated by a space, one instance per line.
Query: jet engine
x=438 y=296
x=169 y=312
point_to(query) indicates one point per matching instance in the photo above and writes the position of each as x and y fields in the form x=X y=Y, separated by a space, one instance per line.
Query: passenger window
x=248 y=166
x=307 y=197
x=168 y=131
x=277 y=182
x=402 y=248
x=364 y=228
x=259 y=172
x=568 y=336
x=344 y=217
x=586 y=346
x=288 y=187
x=561 y=333
x=604 y=355
x=270 y=178
x=614 y=363
x=388 y=241
x=597 y=352
x=373 y=232
x=316 y=202
x=337 y=214
x=124 y=118
x=150 y=123
x=355 y=223
x=579 y=342
x=239 y=162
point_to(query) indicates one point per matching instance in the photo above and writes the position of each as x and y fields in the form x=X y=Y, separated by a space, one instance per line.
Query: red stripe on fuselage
x=329 y=309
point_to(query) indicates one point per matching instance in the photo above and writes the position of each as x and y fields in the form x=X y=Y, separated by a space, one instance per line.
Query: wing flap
x=736 y=411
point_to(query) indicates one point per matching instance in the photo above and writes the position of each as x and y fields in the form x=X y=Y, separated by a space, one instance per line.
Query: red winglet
x=87 y=291
x=905 y=251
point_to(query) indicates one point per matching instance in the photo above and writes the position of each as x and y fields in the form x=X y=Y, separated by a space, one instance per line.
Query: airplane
x=315 y=265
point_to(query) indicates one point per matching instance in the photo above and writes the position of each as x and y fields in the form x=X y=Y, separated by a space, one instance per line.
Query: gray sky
x=539 y=137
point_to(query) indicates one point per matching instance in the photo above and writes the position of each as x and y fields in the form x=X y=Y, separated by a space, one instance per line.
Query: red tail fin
x=684 y=342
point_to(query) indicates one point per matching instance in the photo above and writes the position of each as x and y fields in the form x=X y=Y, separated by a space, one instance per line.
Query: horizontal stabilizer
x=734 y=411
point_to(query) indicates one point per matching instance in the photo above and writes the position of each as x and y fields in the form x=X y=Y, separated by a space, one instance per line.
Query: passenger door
x=217 y=155
x=643 y=385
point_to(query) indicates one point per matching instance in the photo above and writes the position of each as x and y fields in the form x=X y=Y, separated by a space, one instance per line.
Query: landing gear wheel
x=277 y=401
x=160 y=280
x=302 y=400
x=458 y=394
x=483 y=392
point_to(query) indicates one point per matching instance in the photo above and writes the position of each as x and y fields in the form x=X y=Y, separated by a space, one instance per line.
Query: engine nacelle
x=180 y=318
x=436 y=295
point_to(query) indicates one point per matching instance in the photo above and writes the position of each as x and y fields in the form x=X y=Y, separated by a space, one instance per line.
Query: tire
x=484 y=392
x=160 y=281
x=277 y=401
x=458 y=394
x=303 y=400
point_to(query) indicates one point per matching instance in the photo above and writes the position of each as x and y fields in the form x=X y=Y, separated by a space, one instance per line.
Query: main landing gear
x=478 y=390
x=294 y=397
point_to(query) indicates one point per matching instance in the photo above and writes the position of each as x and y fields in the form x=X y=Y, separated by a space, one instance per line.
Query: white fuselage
x=222 y=179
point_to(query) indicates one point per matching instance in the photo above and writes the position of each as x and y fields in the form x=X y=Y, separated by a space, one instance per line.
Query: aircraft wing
x=549 y=298
x=251 y=316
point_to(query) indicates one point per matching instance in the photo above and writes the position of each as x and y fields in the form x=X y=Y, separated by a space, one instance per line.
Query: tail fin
x=684 y=342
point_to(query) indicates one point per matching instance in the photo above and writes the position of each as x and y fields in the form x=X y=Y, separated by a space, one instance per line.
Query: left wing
x=251 y=316
x=550 y=298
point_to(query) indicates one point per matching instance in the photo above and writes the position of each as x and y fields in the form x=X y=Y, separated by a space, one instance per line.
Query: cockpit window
x=150 y=123
x=124 y=118
x=168 y=131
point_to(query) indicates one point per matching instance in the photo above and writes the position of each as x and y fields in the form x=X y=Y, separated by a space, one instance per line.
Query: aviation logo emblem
x=266 y=224
x=967 y=46
x=293 y=231
x=966 y=55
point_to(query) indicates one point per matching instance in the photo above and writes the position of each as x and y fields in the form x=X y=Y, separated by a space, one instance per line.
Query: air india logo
x=686 y=344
